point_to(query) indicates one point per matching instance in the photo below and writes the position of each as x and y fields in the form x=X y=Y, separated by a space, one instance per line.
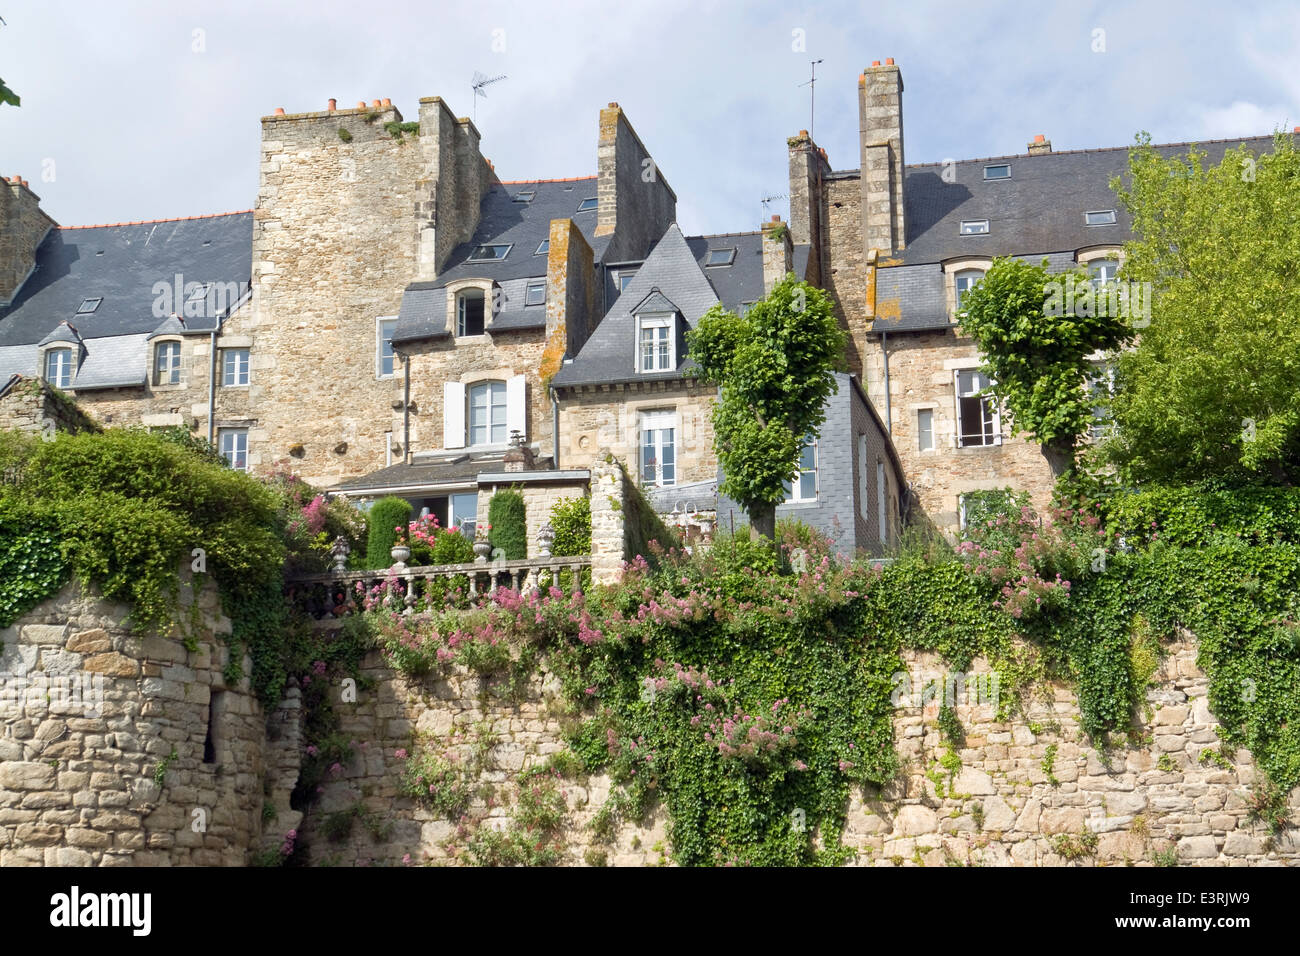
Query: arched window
x=469 y=312
x=58 y=367
x=487 y=413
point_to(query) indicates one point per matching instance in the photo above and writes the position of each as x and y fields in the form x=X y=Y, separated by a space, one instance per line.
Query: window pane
x=925 y=429
x=648 y=457
x=971 y=421
x=808 y=485
x=668 y=453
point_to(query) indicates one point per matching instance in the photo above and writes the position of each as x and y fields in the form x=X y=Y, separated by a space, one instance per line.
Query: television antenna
x=812 y=102
x=481 y=80
x=768 y=200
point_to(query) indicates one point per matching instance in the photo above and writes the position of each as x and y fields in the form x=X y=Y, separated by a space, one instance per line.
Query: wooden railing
x=334 y=593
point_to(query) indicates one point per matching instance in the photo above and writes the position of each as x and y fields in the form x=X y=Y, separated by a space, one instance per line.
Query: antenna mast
x=476 y=85
x=812 y=101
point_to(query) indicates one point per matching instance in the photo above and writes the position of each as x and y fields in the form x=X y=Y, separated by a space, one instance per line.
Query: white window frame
x=236 y=380
x=1102 y=376
x=67 y=369
x=461 y=295
x=796 y=495
x=929 y=412
x=1100 y=212
x=657 y=422
x=504 y=405
x=232 y=456
x=657 y=320
x=543 y=247
x=620 y=276
x=972 y=275
x=474 y=257
x=174 y=373
x=595 y=204
x=992 y=417
x=977 y=230
x=1107 y=263
x=994 y=179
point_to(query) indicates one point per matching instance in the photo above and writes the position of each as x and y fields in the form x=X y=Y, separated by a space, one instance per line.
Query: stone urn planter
x=482 y=551
x=400 y=553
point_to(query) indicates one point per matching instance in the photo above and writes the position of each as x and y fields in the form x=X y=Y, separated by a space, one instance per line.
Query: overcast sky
x=146 y=110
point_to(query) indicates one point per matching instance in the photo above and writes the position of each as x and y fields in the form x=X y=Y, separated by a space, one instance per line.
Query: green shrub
x=382 y=521
x=571 y=522
x=509 y=528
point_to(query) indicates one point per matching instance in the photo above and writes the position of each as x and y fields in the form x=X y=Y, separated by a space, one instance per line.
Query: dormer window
x=58 y=367
x=998 y=171
x=88 y=306
x=524 y=195
x=974 y=227
x=721 y=257
x=469 y=312
x=587 y=205
x=167 y=363
x=490 y=253
x=656 y=345
x=1099 y=217
x=964 y=281
x=625 y=277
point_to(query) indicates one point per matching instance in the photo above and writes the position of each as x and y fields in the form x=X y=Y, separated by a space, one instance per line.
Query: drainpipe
x=555 y=427
x=889 y=421
x=212 y=387
x=406 y=407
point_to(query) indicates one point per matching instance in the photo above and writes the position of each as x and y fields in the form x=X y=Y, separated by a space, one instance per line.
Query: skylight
x=198 y=293
x=524 y=195
x=587 y=205
x=974 y=227
x=535 y=294
x=543 y=246
x=1100 y=217
x=720 y=257
x=998 y=171
x=490 y=253
x=88 y=306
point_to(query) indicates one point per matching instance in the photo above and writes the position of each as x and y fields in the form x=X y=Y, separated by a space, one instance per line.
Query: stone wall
x=22 y=228
x=93 y=714
x=539 y=497
x=1014 y=801
x=30 y=405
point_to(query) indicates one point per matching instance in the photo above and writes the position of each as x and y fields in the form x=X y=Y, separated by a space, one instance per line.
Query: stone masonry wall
x=33 y=406
x=1013 y=802
x=92 y=714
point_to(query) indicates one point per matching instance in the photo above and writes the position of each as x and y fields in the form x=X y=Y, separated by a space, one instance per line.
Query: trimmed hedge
x=385 y=515
x=508 y=518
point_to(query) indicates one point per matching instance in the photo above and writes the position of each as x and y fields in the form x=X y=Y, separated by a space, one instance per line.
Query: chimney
x=808 y=169
x=880 y=123
x=23 y=226
x=778 y=253
x=1040 y=145
x=635 y=204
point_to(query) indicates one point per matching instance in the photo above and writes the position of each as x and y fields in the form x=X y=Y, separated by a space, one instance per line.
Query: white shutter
x=516 y=406
x=956 y=407
x=997 y=422
x=453 y=415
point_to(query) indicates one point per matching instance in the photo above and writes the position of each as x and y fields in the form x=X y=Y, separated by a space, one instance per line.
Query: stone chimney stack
x=23 y=226
x=1040 y=145
x=880 y=113
x=808 y=170
x=778 y=253
x=454 y=177
x=635 y=204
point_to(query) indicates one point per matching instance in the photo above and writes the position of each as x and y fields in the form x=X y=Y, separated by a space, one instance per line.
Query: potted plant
x=401 y=550
x=482 y=546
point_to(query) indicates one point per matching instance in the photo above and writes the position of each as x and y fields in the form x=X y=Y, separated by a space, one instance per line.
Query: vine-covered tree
x=775 y=366
x=1212 y=390
x=1035 y=331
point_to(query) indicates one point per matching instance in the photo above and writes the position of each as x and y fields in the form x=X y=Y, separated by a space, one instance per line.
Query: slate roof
x=461 y=469
x=672 y=270
x=121 y=264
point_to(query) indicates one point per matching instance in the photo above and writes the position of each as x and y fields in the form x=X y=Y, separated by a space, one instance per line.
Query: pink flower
x=400 y=753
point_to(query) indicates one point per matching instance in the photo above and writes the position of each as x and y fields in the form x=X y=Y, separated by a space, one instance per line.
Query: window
x=524 y=195
x=804 y=488
x=469 y=312
x=1100 y=217
x=658 y=450
x=964 y=281
x=587 y=205
x=625 y=277
x=978 y=422
x=1101 y=271
x=656 y=351
x=1101 y=385
x=487 y=414
x=234 y=364
x=999 y=171
x=974 y=227
x=746 y=306
x=88 y=306
x=233 y=443
x=925 y=429
x=543 y=247
x=198 y=293
x=167 y=363
x=58 y=367
x=464 y=513
x=720 y=257
x=536 y=294
x=491 y=253
x=387 y=365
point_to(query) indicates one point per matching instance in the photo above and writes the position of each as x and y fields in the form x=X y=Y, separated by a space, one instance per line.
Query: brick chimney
x=23 y=226
x=634 y=202
x=778 y=253
x=1040 y=145
x=880 y=123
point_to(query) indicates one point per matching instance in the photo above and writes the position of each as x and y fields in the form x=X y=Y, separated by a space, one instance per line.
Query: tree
x=1211 y=391
x=775 y=366
x=1035 y=331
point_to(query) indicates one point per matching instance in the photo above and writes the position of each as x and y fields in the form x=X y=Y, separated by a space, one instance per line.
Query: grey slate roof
x=609 y=355
x=116 y=361
x=62 y=332
x=459 y=470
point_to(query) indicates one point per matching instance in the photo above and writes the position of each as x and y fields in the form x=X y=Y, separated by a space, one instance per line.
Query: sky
x=150 y=110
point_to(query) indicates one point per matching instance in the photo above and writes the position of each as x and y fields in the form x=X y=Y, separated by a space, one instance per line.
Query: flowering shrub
x=437 y=782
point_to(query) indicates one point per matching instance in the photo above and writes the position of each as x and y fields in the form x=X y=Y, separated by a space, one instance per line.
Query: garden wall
x=120 y=749
x=1027 y=792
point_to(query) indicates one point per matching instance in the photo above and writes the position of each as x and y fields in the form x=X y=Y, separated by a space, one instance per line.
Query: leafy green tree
x=775 y=366
x=1035 y=334
x=9 y=96
x=1212 y=390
